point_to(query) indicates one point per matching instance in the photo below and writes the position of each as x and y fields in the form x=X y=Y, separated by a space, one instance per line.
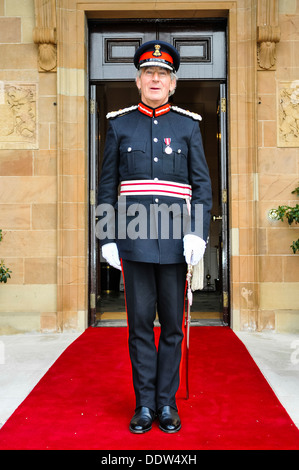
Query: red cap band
x=163 y=56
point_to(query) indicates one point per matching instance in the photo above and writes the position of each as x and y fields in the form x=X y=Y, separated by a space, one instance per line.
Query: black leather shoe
x=169 y=420
x=142 y=420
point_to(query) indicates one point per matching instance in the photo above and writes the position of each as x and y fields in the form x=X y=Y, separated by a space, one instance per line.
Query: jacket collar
x=154 y=112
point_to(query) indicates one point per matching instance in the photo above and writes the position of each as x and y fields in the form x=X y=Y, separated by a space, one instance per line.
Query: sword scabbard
x=188 y=320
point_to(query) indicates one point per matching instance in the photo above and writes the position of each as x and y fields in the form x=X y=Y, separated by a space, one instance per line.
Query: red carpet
x=85 y=400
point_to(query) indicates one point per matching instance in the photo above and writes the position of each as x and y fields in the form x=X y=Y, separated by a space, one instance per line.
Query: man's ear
x=172 y=85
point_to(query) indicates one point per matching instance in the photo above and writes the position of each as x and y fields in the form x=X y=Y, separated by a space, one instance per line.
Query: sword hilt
x=189 y=278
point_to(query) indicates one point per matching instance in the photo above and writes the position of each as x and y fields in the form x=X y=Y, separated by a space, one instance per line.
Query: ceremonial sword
x=188 y=320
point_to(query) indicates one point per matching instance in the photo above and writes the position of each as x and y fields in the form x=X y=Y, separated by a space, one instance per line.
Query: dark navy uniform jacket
x=135 y=150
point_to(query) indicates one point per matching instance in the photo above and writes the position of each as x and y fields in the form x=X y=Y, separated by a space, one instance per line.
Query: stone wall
x=278 y=174
x=28 y=182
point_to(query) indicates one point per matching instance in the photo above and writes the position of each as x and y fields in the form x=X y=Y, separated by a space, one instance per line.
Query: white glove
x=110 y=253
x=194 y=249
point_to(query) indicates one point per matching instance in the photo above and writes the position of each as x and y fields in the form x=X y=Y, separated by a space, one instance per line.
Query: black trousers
x=151 y=288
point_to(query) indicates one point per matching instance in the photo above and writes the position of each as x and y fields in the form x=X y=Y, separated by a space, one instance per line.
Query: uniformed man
x=154 y=159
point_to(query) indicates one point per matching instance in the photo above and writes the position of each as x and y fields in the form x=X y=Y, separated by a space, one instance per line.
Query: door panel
x=112 y=48
x=202 y=46
x=93 y=183
x=222 y=217
x=224 y=203
x=202 y=50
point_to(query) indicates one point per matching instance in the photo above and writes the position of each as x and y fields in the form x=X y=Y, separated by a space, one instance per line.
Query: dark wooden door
x=222 y=216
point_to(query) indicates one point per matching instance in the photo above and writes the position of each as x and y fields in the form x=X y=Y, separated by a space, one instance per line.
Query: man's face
x=155 y=84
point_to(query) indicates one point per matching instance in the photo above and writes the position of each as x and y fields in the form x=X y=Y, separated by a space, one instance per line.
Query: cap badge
x=157 y=52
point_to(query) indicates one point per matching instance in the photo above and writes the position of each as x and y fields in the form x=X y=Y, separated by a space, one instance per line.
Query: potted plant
x=292 y=216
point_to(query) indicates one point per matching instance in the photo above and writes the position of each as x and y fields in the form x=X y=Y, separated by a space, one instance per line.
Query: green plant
x=292 y=216
x=4 y=272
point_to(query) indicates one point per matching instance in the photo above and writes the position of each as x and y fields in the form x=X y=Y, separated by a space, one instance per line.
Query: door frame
x=223 y=207
x=224 y=203
x=92 y=184
x=72 y=149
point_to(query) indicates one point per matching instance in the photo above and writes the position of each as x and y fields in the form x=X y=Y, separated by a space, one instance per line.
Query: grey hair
x=173 y=76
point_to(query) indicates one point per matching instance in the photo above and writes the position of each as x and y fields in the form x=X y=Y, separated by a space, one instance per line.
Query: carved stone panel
x=18 y=120
x=288 y=114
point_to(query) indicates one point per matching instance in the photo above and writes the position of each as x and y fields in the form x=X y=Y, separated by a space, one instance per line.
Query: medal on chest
x=168 y=149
